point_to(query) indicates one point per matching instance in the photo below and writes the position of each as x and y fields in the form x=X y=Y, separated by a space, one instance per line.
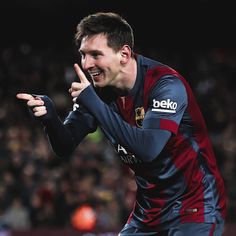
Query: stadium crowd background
x=38 y=190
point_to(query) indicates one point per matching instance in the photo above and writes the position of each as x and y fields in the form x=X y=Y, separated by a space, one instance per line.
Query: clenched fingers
x=39 y=111
x=76 y=89
x=35 y=102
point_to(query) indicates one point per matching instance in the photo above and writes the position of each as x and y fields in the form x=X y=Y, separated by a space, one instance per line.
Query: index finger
x=80 y=73
x=24 y=96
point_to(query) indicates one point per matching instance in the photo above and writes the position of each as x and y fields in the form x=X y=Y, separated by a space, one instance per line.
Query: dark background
x=201 y=23
x=196 y=37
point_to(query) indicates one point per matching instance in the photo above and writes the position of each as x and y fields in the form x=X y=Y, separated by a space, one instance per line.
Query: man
x=149 y=114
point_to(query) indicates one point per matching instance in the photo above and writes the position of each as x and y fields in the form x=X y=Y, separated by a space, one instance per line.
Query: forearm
x=59 y=137
x=65 y=137
x=145 y=143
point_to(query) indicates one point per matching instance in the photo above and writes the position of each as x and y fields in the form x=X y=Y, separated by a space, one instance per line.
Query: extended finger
x=80 y=73
x=24 y=96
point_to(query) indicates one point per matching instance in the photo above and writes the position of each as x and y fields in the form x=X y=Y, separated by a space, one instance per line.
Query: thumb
x=80 y=74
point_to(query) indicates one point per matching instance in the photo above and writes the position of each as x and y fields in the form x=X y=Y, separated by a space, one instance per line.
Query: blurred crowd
x=38 y=189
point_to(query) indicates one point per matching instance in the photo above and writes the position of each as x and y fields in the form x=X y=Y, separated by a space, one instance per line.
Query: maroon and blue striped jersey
x=159 y=132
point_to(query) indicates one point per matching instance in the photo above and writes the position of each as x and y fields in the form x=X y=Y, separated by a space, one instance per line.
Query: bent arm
x=146 y=142
x=63 y=137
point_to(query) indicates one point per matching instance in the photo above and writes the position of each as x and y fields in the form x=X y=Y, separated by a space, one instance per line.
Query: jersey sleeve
x=65 y=136
x=80 y=123
x=166 y=105
x=130 y=137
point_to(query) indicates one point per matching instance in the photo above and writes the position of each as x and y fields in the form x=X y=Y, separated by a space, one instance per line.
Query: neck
x=127 y=78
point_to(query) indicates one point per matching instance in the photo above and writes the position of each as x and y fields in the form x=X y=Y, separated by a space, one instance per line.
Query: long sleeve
x=144 y=142
x=65 y=136
x=167 y=103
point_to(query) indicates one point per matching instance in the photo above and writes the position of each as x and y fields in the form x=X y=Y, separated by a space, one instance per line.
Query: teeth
x=95 y=73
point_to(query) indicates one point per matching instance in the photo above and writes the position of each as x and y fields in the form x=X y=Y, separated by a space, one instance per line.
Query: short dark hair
x=111 y=24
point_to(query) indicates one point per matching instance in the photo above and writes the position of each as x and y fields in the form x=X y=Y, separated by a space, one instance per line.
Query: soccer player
x=149 y=114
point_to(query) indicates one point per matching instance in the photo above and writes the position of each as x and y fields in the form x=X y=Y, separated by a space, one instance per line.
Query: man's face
x=100 y=61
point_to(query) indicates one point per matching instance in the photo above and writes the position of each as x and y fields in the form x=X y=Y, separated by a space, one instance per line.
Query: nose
x=87 y=62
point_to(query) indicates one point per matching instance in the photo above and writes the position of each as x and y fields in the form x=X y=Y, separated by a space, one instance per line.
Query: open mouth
x=95 y=74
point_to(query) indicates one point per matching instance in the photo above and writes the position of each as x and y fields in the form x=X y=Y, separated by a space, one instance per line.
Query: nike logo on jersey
x=167 y=106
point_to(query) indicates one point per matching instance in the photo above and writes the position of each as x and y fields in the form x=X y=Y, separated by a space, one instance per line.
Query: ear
x=125 y=54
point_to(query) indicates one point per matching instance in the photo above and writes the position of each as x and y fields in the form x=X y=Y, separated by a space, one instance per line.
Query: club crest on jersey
x=139 y=116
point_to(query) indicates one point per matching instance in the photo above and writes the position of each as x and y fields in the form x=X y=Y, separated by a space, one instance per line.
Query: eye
x=95 y=55
x=82 y=54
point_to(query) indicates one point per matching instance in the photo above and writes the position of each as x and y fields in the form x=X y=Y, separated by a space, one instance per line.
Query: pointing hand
x=35 y=103
x=78 y=87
